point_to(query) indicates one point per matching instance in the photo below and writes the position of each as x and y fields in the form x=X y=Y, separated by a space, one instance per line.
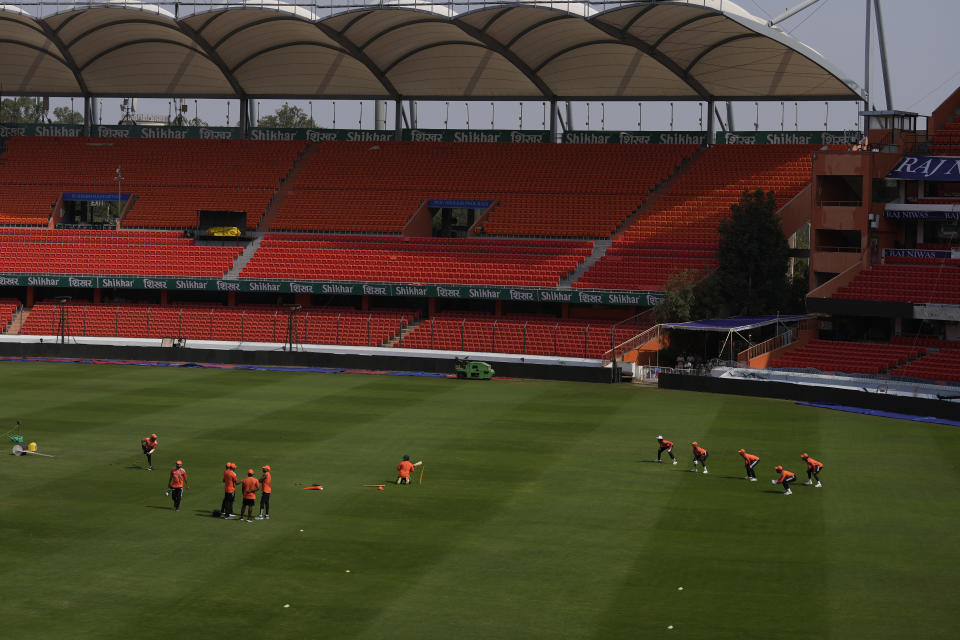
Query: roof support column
x=711 y=123
x=86 y=116
x=553 y=120
x=569 y=116
x=397 y=118
x=246 y=116
x=90 y=115
x=380 y=115
x=730 y=126
x=412 y=107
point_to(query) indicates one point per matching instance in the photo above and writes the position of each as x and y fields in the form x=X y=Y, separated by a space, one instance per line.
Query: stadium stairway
x=600 y=247
x=599 y=250
x=407 y=330
x=242 y=260
x=285 y=188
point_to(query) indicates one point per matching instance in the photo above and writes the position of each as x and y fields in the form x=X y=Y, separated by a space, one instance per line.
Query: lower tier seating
x=247 y=323
x=943 y=366
x=518 y=333
x=834 y=356
x=7 y=309
x=484 y=261
x=905 y=283
x=131 y=253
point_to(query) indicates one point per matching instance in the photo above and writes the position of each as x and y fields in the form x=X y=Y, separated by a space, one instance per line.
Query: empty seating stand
x=834 y=356
x=537 y=189
x=939 y=366
x=679 y=231
x=519 y=333
x=916 y=283
x=488 y=261
x=124 y=252
x=171 y=179
x=204 y=321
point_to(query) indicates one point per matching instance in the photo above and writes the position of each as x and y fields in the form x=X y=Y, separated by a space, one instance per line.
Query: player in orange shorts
x=813 y=470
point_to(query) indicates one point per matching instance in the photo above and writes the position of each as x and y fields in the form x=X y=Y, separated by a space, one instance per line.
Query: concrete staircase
x=285 y=188
x=599 y=250
x=407 y=330
x=19 y=317
x=244 y=257
x=600 y=246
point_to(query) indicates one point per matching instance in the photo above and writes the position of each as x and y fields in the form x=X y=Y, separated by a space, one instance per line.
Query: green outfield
x=540 y=514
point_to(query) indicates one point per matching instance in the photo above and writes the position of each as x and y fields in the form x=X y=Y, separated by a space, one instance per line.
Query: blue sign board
x=459 y=204
x=934 y=168
x=75 y=196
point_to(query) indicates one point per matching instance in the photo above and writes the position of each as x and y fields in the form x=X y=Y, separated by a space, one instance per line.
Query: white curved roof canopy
x=682 y=50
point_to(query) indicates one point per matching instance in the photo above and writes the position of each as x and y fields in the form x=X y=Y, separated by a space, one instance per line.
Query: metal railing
x=74 y=322
x=788 y=337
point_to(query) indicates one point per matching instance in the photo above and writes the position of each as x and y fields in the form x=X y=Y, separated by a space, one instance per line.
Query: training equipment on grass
x=20 y=450
x=378 y=486
x=420 y=479
x=16 y=434
x=315 y=487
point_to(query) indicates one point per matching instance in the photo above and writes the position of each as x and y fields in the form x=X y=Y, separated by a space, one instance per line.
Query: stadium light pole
x=293 y=308
x=119 y=180
x=63 y=300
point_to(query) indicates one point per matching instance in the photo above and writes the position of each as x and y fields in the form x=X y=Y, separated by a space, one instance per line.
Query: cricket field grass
x=540 y=513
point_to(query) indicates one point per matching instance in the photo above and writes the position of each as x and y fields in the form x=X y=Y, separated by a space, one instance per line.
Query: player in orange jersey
x=149 y=445
x=265 y=493
x=249 y=488
x=665 y=445
x=750 y=462
x=178 y=481
x=405 y=468
x=699 y=456
x=813 y=470
x=786 y=477
x=229 y=490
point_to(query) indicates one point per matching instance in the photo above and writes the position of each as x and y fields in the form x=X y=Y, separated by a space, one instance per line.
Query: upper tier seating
x=905 y=283
x=203 y=321
x=946 y=141
x=847 y=357
x=123 y=252
x=943 y=366
x=486 y=261
x=538 y=189
x=678 y=231
x=517 y=333
x=172 y=179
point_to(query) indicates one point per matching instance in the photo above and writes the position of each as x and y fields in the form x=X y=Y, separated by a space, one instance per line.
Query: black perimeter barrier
x=295 y=359
x=804 y=393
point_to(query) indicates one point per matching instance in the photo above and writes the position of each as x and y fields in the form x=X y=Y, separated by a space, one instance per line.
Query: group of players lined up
x=750 y=461
x=249 y=486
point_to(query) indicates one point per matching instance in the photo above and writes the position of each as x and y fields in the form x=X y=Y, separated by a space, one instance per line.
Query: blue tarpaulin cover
x=881 y=414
